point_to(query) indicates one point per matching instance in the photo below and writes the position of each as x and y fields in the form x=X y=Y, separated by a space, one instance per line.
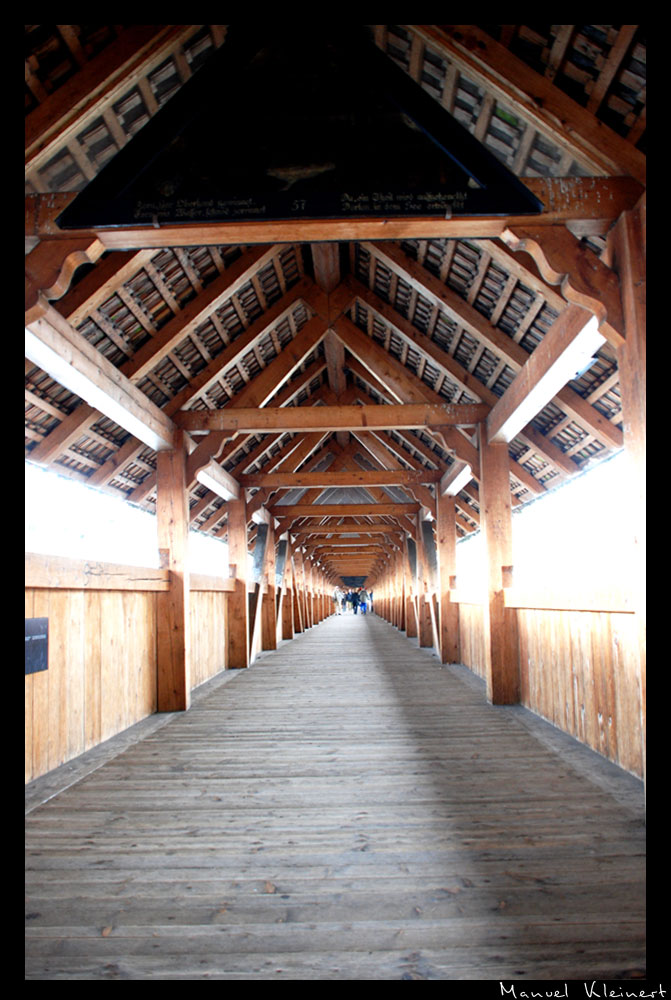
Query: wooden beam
x=481 y=59
x=97 y=84
x=343 y=510
x=590 y=203
x=240 y=420
x=453 y=481
x=565 y=350
x=358 y=530
x=454 y=371
x=328 y=480
x=196 y=312
x=62 y=352
x=463 y=313
x=215 y=477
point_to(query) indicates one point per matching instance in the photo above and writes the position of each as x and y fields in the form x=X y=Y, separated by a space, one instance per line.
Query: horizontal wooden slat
x=75 y=574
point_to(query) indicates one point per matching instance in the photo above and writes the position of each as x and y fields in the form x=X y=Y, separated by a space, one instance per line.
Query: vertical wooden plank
x=627 y=693
x=446 y=544
x=92 y=679
x=238 y=604
x=57 y=681
x=40 y=689
x=74 y=675
x=172 y=510
x=28 y=699
x=500 y=623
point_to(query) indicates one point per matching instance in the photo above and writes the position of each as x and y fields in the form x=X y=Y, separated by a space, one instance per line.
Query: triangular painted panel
x=300 y=122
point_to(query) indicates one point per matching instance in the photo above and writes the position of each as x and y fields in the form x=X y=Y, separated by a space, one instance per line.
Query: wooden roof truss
x=177 y=329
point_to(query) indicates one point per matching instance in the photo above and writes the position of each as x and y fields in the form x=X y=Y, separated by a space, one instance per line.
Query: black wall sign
x=37 y=645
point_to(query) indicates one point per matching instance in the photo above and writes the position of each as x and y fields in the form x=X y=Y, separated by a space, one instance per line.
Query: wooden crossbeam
x=315 y=418
x=593 y=202
x=348 y=478
x=343 y=510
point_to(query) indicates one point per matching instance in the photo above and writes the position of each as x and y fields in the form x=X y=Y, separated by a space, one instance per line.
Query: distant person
x=363 y=600
x=338 y=600
x=355 y=601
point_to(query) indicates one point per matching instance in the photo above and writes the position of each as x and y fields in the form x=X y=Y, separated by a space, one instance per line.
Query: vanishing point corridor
x=347 y=808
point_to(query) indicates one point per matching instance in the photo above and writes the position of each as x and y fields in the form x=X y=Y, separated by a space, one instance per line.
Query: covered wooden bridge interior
x=341 y=364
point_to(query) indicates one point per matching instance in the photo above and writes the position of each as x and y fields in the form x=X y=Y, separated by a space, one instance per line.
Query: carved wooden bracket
x=209 y=448
x=584 y=279
x=51 y=265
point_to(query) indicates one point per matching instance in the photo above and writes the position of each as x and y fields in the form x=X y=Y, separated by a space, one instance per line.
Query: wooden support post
x=173 y=646
x=297 y=590
x=500 y=623
x=238 y=604
x=286 y=610
x=626 y=248
x=269 y=607
x=410 y=576
x=256 y=596
x=446 y=542
x=401 y=590
x=423 y=587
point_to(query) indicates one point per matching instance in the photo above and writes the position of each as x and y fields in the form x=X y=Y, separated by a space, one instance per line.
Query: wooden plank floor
x=347 y=808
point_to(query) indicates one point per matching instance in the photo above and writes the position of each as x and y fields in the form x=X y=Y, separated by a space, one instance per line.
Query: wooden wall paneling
x=627 y=693
x=525 y=658
x=603 y=685
x=208 y=635
x=472 y=638
x=579 y=670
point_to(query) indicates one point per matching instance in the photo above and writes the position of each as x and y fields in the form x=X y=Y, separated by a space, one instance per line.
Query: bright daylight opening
x=578 y=536
x=555 y=538
x=67 y=518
